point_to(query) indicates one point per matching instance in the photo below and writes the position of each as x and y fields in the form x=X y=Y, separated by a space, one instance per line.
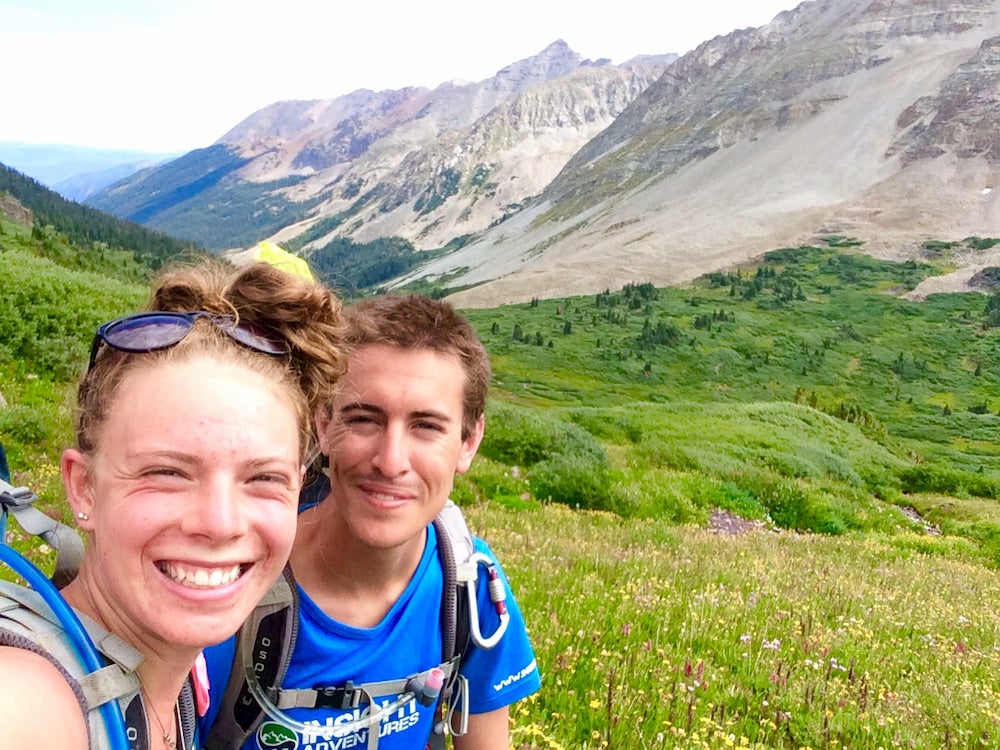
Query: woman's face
x=191 y=495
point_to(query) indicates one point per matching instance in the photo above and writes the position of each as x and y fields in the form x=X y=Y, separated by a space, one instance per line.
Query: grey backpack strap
x=19 y=503
x=458 y=533
x=455 y=546
x=117 y=680
x=270 y=631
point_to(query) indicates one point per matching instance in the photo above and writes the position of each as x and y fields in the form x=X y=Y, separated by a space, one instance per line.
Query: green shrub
x=823 y=518
x=48 y=314
x=493 y=479
x=729 y=496
x=938 y=479
x=791 y=505
x=515 y=435
x=574 y=481
x=664 y=495
x=981 y=243
x=464 y=492
x=23 y=424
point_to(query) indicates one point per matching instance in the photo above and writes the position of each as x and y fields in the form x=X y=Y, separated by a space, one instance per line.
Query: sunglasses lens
x=148 y=332
x=252 y=337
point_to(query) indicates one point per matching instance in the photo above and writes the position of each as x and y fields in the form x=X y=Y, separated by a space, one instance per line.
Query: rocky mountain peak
x=555 y=61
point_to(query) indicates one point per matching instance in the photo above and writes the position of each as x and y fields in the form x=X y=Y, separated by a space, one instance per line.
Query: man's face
x=395 y=442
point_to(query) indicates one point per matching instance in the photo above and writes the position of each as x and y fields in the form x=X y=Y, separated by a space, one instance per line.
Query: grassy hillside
x=54 y=292
x=654 y=635
x=89 y=231
x=804 y=391
x=802 y=395
x=198 y=197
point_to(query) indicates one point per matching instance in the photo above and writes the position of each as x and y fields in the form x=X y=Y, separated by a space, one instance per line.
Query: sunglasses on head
x=149 y=331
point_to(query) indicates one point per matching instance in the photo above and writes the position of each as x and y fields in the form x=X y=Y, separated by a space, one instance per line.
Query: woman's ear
x=79 y=492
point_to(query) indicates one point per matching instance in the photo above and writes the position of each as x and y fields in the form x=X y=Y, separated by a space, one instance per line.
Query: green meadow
x=851 y=435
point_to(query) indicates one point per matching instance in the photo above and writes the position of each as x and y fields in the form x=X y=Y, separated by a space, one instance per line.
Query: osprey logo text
x=273 y=736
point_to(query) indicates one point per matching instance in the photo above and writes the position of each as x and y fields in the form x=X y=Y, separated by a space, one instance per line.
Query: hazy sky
x=174 y=75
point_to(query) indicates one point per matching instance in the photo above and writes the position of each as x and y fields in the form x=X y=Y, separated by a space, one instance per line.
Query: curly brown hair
x=305 y=315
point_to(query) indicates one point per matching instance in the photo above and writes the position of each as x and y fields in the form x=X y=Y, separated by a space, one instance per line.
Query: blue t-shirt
x=408 y=641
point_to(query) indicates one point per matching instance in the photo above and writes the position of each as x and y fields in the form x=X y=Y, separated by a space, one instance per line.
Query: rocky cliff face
x=962 y=117
x=732 y=89
x=876 y=119
x=13 y=209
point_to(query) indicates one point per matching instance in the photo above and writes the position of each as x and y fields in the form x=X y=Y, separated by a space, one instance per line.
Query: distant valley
x=76 y=172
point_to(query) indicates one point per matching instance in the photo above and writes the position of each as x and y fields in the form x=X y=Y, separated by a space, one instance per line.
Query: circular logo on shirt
x=274 y=736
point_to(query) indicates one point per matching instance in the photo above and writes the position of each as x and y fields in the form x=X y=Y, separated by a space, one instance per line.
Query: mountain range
x=874 y=120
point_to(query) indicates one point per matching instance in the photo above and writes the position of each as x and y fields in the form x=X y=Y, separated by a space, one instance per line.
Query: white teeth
x=201 y=577
x=384 y=497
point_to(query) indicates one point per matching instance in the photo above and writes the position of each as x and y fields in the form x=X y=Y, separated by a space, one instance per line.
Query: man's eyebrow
x=373 y=409
x=359 y=406
x=431 y=414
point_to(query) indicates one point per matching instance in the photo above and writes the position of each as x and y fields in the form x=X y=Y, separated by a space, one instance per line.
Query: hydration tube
x=75 y=632
x=373 y=719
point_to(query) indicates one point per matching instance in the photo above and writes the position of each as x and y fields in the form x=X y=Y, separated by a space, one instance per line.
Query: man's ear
x=79 y=490
x=470 y=445
x=322 y=418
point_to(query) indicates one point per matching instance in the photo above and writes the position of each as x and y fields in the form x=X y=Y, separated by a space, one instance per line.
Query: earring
x=82 y=516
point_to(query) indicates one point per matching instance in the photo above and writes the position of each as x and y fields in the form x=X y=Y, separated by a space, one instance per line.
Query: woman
x=193 y=431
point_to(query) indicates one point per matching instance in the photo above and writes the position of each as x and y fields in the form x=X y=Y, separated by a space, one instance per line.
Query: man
x=408 y=417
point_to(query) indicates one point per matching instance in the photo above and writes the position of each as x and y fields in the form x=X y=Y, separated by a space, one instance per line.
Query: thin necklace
x=170 y=739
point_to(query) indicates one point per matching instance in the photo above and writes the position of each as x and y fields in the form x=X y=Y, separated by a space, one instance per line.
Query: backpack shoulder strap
x=270 y=632
x=455 y=548
x=24 y=611
x=27 y=622
x=18 y=502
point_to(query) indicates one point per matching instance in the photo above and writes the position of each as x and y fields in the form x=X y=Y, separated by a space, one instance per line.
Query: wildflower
x=771 y=645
